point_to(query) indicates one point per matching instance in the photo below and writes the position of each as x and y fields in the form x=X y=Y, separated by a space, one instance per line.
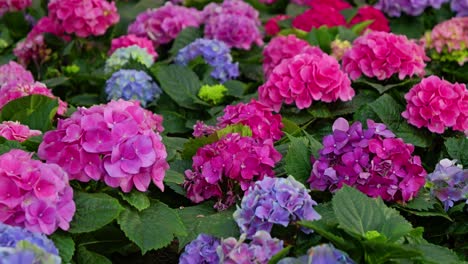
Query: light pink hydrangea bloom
x=306 y=77
x=34 y=195
x=130 y=40
x=437 y=104
x=381 y=54
x=13 y=5
x=13 y=72
x=84 y=17
x=451 y=34
x=118 y=143
x=16 y=131
x=163 y=24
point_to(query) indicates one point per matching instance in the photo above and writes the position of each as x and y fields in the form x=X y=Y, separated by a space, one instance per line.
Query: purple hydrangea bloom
x=201 y=251
x=449 y=183
x=274 y=201
x=132 y=84
x=394 y=8
x=325 y=253
x=215 y=53
x=11 y=235
x=460 y=7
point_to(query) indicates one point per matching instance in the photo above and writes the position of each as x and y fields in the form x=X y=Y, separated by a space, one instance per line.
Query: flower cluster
x=118 y=142
x=13 y=5
x=271 y=26
x=215 y=53
x=382 y=54
x=339 y=48
x=34 y=195
x=213 y=94
x=319 y=15
x=132 y=85
x=437 y=104
x=12 y=72
x=309 y=76
x=130 y=40
x=274 y=201
x=202 y=250
x=163 y=24
x=449 y=183
x=380 y=22
x=371 y=160
x=234 y=22
x=460 y=7
x=84 y=17
x=320 y=254
x=16 y=131
x=219 y=168
x=122 y=56
x=394 y=8
x=19 y=246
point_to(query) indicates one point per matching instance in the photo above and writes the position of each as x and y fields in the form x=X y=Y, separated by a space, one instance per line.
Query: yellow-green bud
x=213 y=94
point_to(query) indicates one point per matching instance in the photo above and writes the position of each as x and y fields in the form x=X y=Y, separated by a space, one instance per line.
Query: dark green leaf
x=280 y=255
x=54 y=82
x=7 y=145
x=174 y=177
x=457 y=148
x=86 y=256
x=293 y=10
x=85 y=99
x=65 y=245
x=136 y=199
x=298 y=159
x=433 y=254
x=235 y=88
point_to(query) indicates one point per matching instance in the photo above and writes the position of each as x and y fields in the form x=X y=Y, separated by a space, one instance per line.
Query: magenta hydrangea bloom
x=84 y=17
x=163 y=24
x=13 y=5
x=220 y=168
x=371 y=160
x=381 y=55
x=437 y=104
x=118 y=143
x=16 y=131
x=13 y=72
x=130 y=40
x=234 y=22
x=309 y=76
x=34 y=195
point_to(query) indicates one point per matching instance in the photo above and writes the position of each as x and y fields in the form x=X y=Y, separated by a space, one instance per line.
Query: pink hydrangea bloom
x=34 y=195
x=13 y=5
x=437 y=105
x=220 y=168
x=12 y=91
x=319 y=15
x=371 y=13
x=271 y=26
x=13 y=72
x=450 y=35
x=306 y=77
x=16 y=131
x=382 y=54
x=84 y=17
x=234 y=22
x=130 y=40
x=118 y=142
x=163 y=24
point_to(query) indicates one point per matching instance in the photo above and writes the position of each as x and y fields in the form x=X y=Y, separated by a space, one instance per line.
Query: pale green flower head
x=213 y=94
x=122 y=56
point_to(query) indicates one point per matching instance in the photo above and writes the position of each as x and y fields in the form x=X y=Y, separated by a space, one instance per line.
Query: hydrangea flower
x=12 y=91
x=118 y=142
x=130 y=40
x=321 y=254
x=215 y=53
x=449 y=183
x=122 y=56
x=320 y=14
x=220 y=168
x=202 y=250
x=271 y=26
x=132 y=85
x=212 y=93
x=84 y=17
x=460 y=7
x=437 y=105
x=274 y=201
x=16 y=131
x=163 y=24
x=13 y=5
x=364 y=13
x=339 y=48
x=306 y=77
x=13 y=72
x=234 y=22
x=34 y=195
x=11 y=235
x=394 y=8
x=371 y=160
x=382 y=54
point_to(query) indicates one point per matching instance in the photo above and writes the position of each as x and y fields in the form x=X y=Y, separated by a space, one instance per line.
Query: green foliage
x=298 y=159
x=65 y=245
x=457 y=149
x=86 y=256
x=136 y=199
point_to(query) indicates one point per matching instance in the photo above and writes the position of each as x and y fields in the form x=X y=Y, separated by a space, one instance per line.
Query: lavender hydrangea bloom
x=394 y=8
x=274 y=201
x=325 y=253
x=201 y=251
x=460 y=7
x=132 y=84
x=11 y=235
x=449 y=183
x=215 y=53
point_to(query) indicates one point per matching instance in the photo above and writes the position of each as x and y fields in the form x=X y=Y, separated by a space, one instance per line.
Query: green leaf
x=321 y=37
x=320 y=110
x=315 y=145
x=383 y=252
x=433 y=254
x=185 y=37
x=389 y=111
x=298 y=159
x=358 y=214
x=54 y=82
x=193 y=144
x=84 y=99
x=174 y=177
x=16 y=21
x=360 y=27
x=294 y=10
x=174 y=145
x=7 y=145
x=327 y=231
x=136 y=199
x=65 y=245
x=180 y=83
x=35 y=111
x=349 y=13
x=174 y=122
x=240 y=129
x=383 y=88
x=422 y=202
x=280 y=255
x=457 y=149
x=93 y=211
x=290 y=127
x=152 y=228
x=85 y=256
x=235 y=88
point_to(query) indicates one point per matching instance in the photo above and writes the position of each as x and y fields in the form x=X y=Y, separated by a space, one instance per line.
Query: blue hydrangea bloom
x=394 y=8
x=201 y=251
x=215 y=53
x=122 y=56
x=274 y=201
x=325 y=253
x=132 y=84
x=460 y=7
